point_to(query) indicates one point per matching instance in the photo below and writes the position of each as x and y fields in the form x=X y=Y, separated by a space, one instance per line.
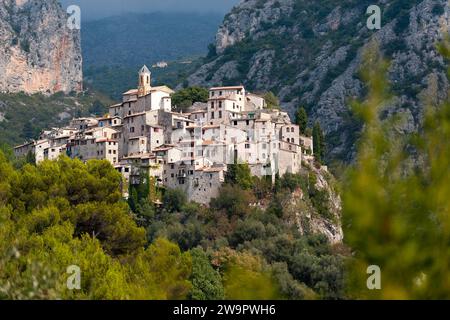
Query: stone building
x=187 y=151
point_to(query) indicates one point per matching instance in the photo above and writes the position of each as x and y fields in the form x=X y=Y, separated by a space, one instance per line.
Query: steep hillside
x=39 y=52
x=22 y=116
x=309 y=53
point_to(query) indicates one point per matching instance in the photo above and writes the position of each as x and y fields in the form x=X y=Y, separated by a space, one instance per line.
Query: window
x=235 y=123
x=212 y=115
x=247 y=146
x=220 y=114
x=132 y=129
x=247 y=122
x=220 y=104
x=212 y=105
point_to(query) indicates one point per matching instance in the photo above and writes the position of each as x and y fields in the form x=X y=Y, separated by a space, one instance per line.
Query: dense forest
x=66 y=213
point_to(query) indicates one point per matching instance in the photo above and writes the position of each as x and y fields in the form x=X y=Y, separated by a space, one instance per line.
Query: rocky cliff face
x=318 y=212
x=39 y=53
x=309 y=53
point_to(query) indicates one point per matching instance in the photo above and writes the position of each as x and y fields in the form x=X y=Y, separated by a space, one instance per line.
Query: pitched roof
x=165 y=89
x=144 y=69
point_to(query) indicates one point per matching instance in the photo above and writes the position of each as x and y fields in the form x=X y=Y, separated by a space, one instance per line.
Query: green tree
x=184 y=98
x=272 y=100
x=139 y=193
x=174 y=200
x=247 y=277
x=98 y=108
x=399 y=204
x=233 y=200
x=240 y=174
x=206 y=282
x=28 y=131
x=301 y=118
x=62 y=213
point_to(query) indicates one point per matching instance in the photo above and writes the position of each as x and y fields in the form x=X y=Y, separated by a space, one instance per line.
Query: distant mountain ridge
x=309 y=53
x=137 y=39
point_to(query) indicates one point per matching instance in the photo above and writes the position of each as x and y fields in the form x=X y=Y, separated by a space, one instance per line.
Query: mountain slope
x=39 y=52
x=115 y=48
x=137 y=39
x=22 y=116
x=309 y=53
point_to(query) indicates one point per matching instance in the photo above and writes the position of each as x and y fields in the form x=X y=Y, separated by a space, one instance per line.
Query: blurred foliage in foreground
x=397 y=198
x=65 y=213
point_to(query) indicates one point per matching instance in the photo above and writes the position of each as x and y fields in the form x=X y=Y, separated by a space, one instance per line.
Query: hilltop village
x=142 y=136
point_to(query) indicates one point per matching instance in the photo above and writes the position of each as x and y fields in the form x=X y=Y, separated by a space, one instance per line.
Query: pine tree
x=302 y=119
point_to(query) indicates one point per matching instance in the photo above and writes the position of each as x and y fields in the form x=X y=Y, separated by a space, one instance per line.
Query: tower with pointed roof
x=144 y=81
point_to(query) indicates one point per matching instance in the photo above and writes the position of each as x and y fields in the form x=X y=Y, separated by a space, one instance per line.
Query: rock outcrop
x=309 y=53
x=39 y=53
x=322 y=216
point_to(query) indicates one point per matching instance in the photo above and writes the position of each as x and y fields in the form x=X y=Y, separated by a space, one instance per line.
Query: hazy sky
x=91 y=9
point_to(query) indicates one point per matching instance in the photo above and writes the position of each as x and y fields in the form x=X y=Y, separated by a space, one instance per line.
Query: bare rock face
x=322 y=217
x=39 y=53
x=247 y=18
x=309 y=53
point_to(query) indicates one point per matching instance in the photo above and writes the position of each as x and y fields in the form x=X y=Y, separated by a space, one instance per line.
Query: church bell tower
x=144 y=81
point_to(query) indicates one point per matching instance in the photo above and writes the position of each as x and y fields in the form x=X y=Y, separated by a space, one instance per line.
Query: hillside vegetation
x=63 y=213
x=309 y=52
x=23 y=116
x=115 y=48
